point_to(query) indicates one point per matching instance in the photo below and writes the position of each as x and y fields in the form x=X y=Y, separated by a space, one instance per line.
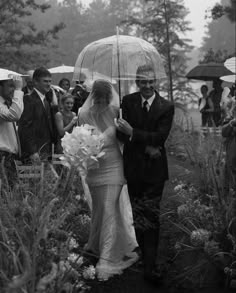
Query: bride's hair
x=101 y=91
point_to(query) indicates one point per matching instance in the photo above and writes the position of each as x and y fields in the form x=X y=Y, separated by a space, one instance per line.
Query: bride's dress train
x=112 y=235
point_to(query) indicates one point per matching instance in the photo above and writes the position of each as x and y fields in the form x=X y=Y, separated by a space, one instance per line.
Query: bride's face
x=102 y=99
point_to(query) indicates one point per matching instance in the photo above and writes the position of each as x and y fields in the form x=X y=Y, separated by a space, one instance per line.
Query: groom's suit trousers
x=147 y=237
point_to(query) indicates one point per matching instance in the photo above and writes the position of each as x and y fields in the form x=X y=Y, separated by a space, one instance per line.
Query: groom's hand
x=153 y=152
x=124 y=126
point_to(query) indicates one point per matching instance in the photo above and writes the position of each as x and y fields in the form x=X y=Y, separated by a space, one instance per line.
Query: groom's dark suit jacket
x=36 y=129
x=153 y=131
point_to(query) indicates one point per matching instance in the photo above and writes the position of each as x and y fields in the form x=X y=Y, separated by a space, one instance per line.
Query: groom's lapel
x=155 y=108
x=138 y=109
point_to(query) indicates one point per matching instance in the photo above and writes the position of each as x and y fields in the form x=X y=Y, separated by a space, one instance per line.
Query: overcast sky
x=196 y=16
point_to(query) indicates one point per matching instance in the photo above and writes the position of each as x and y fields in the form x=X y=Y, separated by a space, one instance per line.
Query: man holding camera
x=11 y=108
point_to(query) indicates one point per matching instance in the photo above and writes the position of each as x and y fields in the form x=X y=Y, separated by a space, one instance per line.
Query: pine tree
x=21 y=44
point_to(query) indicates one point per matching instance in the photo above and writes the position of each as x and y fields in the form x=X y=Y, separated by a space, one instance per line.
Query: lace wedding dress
x=112 y=237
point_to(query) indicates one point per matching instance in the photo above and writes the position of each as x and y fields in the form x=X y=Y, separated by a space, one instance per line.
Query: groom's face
x=146 y=84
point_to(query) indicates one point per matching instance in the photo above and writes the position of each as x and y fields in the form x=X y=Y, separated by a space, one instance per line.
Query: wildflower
x=182 y=210
x=84 y=219
x=78 y=197
x=89 y=272
x=179 y=187
x=211 y=247
x=199 y=237
x=64 y=266
x=75 y=259
x=73 y=243
x=177 y=246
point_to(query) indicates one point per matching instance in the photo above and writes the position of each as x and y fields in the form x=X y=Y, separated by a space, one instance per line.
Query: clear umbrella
x=118 y=58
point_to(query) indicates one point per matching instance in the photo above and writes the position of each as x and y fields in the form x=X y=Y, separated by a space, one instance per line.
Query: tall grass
x=201 y=214
x=35 y=235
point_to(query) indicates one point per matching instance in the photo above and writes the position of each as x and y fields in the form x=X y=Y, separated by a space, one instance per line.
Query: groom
x=146 y=123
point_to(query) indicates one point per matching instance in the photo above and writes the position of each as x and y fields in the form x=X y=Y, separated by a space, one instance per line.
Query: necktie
x=145 y=106
x=48 y=112
x=47 y=107
x=8 y=103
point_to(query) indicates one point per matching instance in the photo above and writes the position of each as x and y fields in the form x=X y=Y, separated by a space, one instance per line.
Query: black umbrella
x=208 y=71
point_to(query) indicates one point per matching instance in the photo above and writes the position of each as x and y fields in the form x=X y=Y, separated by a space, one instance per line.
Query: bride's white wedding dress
x=112 y=237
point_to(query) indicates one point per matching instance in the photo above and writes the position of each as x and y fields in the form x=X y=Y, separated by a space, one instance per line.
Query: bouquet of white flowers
x=82 y=147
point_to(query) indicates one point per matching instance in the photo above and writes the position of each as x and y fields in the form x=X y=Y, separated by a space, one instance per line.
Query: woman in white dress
x=112 y=236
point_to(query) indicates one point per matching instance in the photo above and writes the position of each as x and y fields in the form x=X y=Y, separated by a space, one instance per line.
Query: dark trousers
x=8 y=169
x=147 y=236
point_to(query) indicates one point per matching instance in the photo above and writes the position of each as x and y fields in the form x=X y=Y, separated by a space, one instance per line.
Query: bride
x=112 y=236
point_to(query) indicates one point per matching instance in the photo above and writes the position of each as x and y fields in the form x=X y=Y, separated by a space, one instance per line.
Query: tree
x=21 y=44
x=229 y=10
x=151 y=19
x=218 y=56
x=220 y=36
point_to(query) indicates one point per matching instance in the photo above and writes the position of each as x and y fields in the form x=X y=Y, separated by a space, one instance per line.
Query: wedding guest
x=215 y=96
x=206 y=107
x=229 y=133
x=144 y=128
x=65 y=119
x=28 y=88
x=36 y=128
x=64 y=83
x=11 y=108
x=80 y=94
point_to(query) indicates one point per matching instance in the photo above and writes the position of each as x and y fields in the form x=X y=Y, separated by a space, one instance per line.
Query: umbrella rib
x=94 y=60
x=81 y=65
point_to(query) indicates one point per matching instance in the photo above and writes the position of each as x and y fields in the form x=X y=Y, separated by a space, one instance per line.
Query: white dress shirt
x=42 y=96
x=150 y=101
x=8 y=116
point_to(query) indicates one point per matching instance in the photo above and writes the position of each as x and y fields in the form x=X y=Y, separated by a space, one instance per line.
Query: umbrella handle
x=120 y=113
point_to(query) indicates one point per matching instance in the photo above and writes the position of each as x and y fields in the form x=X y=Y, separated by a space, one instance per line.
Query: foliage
x=229 y=10
x=218 y=56
x=20 y=42
x=220 y=34
x=203 y=218
x=149 y=21
x=39 y=244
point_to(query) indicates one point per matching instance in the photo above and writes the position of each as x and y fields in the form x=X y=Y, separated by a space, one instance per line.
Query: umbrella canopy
x=229 y=78
x=6 y=74
x=208 y=71
x=88 y=76
x=231 y=64
x=118 y=57
x=61 y=69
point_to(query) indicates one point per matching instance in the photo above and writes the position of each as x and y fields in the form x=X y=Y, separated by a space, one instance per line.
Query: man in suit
x=36 y=124
x=146 y=123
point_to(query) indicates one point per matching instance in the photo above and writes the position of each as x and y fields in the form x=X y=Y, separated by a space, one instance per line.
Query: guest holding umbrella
x=206 y=107
x=215 y=96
